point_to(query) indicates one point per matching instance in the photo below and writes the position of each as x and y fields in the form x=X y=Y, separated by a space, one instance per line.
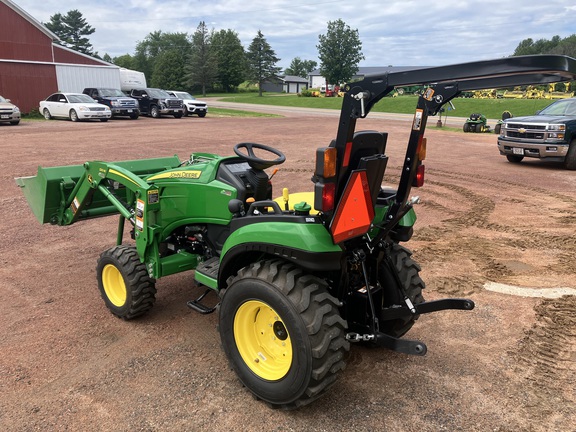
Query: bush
x=308 y=92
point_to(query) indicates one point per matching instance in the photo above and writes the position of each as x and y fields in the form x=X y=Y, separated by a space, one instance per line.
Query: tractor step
x=198 y=306
x=207 y=274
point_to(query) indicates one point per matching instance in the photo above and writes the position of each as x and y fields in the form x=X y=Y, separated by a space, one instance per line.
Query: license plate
x=518 y=151
x=4 y=116
x=129 y=110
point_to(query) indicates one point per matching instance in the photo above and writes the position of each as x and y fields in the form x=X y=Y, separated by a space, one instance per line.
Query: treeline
x=556 y=45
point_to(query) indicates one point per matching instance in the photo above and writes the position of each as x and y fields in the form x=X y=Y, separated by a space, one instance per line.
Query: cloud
x=395 y=32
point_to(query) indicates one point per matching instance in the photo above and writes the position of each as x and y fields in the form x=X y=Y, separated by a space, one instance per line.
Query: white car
x=191 y=104
x=75 y=106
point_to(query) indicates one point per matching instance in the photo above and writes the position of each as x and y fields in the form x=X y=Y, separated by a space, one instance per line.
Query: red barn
x=33 y=65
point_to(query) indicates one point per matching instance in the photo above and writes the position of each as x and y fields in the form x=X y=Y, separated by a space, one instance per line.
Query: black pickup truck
x=118 y=102
x=549 y=135
x=156 y=102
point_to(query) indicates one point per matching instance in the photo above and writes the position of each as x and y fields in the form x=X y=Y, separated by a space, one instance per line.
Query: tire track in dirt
x=545 y=360
x=467 y=227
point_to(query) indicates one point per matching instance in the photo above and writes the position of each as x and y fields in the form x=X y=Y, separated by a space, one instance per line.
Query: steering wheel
x=254 y=161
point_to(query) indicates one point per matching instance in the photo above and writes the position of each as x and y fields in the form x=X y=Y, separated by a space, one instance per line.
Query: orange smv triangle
x=355 y=210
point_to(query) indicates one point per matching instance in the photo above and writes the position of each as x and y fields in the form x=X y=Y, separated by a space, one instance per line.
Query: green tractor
x=476 y=123
x=298 y=280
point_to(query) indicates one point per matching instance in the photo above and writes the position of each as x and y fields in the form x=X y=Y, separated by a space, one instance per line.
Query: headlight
x=16 y=109
x=557 y=127
x=83 y=108
x=115 y=103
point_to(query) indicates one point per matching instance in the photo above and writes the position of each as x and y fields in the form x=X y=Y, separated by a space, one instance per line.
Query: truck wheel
x=282 y=333
x=514 y=158
x=202 y=114
x=155 y=112
x=133 y=116
x=186 y=112
x=104 y=120
x=73 y=115
x=570 y=160
x=408 y=274
x=177 y=115
x=124 y=283
x=47 y=114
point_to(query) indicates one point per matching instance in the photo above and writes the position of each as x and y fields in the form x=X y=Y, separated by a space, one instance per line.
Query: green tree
x=340 y=51
x=541 y=46
x=106 y=57
x=125 y=61
x=262 y=62
x=72 y=29
x=301 y=68
x=202 y=66
x=168 y=70
x=156 y=44
x=231 y=59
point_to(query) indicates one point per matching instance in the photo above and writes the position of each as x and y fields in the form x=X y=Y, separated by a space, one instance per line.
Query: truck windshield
x=111 y=93
x=157 y=93
x=565 y=107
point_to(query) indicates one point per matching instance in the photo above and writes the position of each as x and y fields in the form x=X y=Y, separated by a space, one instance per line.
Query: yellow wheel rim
x=114 y=285
x=263 y=340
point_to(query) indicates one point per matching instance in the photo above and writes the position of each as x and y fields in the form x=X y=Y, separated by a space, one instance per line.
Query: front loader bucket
x=48 y=192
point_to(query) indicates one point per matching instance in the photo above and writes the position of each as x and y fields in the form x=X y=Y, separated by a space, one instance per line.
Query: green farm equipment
x=476 y=123
x=297 y=283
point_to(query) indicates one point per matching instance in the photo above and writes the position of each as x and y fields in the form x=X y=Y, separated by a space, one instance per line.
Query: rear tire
x=514 y=158
x=570 y=160
x=124 y=283
x=479 y=128
x=466 y=127
x=282 y=333
x=409 y=275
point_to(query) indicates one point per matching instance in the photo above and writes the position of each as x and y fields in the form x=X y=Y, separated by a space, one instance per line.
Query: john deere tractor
x=298 y=279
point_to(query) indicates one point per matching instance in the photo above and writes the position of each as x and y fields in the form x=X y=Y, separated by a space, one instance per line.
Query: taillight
x=325 y=183
x=418 y=180
x=328 y=196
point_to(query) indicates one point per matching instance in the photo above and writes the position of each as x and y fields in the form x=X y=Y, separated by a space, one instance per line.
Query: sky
x=392 y=32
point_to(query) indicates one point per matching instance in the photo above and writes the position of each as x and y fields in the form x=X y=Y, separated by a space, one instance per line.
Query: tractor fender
x=308 y=245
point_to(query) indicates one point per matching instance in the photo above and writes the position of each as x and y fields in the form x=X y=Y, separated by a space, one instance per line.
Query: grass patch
x=491 y=108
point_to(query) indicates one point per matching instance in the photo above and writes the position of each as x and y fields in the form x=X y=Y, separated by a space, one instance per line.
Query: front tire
x=570 y=160
x=177 y=115
x=124 y=283
x=47 y=114
x=73 y=115
x=155 y=112
x=514 y=158
x=282 y=333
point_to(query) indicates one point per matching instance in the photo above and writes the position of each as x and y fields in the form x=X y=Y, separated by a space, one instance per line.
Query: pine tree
x=262 y=61
x=71 y=29
x=202 y=66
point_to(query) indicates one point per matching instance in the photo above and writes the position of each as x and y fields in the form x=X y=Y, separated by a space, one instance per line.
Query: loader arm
x=443 y=84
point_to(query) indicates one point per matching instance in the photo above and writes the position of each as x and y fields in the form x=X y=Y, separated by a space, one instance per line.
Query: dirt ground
x=67 y=364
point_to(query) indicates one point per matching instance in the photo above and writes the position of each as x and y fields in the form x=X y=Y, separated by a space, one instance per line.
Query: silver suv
x=9 y=112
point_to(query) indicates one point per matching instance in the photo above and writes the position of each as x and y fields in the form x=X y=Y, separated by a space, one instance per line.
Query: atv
x=299 y=278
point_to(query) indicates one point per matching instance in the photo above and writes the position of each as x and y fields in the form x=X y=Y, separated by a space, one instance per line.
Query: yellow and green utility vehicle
x=298 y=282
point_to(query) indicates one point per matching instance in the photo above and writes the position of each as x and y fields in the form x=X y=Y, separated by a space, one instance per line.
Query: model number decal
x=417 y=120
